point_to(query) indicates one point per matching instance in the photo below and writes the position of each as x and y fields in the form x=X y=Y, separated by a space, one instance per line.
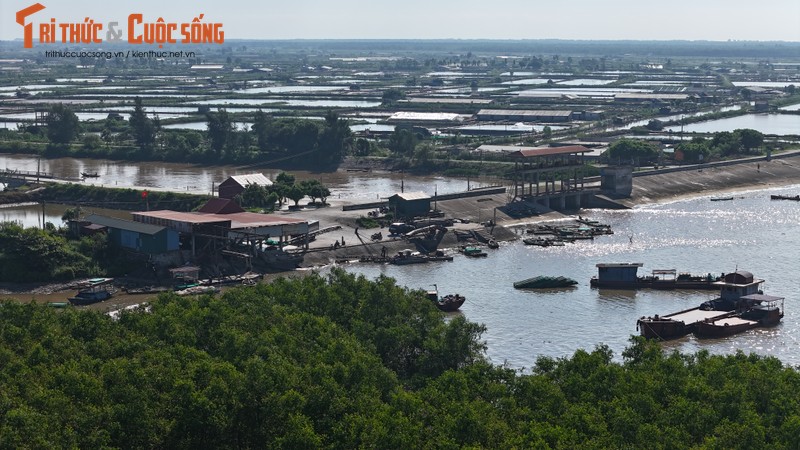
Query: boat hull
x=662 y=329
x=655 y=284
x=450 y=303
x=722 y=328
x=89 y=298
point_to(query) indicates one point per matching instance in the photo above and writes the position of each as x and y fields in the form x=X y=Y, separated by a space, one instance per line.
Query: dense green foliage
x=722 y=144
x=348 y=363
x=62 y=124
x=127 y=199
x=632 y=149
x=34 y=254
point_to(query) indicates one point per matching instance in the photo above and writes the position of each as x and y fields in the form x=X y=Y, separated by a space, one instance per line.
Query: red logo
x=21 y=15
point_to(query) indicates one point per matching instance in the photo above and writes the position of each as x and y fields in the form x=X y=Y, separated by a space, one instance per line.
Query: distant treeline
x=754 y=49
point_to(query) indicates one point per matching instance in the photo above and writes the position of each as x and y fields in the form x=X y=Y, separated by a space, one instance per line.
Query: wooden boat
x=543 y=242
x=99 y=289
x=675 y=325
x=473 y=252
x=785 y=197
x=492 y=244
x=741 y=306
x=90 y=175
x=624 y=276
x=448 y=303
x=544 y=282
x=58 y=304
x=405 y=257
x=146 y=290
x=721 y=199
x=198 y=290
x=759 y=311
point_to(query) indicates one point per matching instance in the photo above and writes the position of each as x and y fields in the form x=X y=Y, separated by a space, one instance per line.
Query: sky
x=716 y=20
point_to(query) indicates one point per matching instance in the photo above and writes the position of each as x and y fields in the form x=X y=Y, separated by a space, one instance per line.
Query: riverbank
x=648 y=189
x=749 y=175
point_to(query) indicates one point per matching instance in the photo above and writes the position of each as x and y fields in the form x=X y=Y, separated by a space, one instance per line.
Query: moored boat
x=740 y=307
x=448 y=303
x=758 y=310
x=90 y=174
x=405 y=257
x=473 y=252
x=785 y=197
x=625 y=276
x=545 y=282
x=97 y=290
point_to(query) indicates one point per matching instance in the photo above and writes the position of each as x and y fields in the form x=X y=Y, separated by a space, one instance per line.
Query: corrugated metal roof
x=525 y=112
x=192 y=218
x=255 y=220
x=549 y=151
x=419 y=195
x=252 y=178
x=425 y=116
x=220 y=206
x=122 y=224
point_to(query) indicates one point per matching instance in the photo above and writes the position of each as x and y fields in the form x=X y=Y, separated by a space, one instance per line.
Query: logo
x=139 y=31
x=21 y=15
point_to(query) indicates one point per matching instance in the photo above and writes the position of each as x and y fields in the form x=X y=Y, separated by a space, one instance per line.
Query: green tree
x=697 y=150
x=750 y=139
x=632 y=149
x=392 y=95
x=335 y=139
x=143 y=128
x=257 y=196
x=63 y=125
x=220 y=131
x=402 y=142
x=726 y=143
x=295 y=193
x=261 y=129
x=315 y=190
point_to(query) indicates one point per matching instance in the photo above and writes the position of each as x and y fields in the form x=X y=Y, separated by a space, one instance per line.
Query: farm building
x=410 y=204
x=140 y=237
x=236 y=184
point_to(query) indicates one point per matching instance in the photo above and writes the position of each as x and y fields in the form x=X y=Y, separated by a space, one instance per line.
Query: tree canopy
x=344 y=362
x=63 y=125
x=629 y=149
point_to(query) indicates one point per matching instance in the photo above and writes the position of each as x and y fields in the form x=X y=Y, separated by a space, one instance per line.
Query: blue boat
x=98 y=289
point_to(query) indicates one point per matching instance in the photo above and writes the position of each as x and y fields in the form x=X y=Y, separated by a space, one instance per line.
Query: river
x=750 y=233
x=358 y=186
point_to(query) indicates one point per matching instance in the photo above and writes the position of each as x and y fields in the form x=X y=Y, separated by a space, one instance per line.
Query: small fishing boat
x=198 y=290
x=785 y=197
x=405 y=257
x=721 y=199
x=492 y=244
x=543 y=242
x=90 y=175
x=448 y=303
x=97 y=290
x=473 y=252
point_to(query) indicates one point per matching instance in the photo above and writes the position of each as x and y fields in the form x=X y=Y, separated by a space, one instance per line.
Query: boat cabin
x=618 y=272
x=737 y=285
x=734 y=287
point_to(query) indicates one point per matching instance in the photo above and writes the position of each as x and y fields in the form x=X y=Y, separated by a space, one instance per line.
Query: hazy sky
x=717 y=20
